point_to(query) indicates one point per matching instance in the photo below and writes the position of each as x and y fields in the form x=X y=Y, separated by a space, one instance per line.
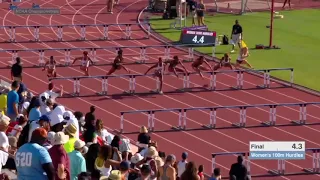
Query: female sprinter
x=224 y=62
x=51 y=67
x=245 y=49
x=85 y=62
x=158 y=73
x=241 y=60
x=173 y=66
x=197 y=66
x=117 y=63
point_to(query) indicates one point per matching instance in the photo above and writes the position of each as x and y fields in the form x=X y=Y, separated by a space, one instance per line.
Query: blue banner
x=284 y=155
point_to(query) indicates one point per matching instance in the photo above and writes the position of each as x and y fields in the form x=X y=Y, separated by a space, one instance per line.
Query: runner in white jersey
x=241 y=60
x=85 y=62
x=158 y=73
x=224 y=62
x=51 y=67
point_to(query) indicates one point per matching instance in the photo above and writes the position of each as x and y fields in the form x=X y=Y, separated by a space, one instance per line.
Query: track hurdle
x=280 y=167
x=151 y=117
x=315 y=161
x=213 y=112
x=104 y=83
x=245 y=155
x=240 y=77
x=142 y=56
x=83 y=31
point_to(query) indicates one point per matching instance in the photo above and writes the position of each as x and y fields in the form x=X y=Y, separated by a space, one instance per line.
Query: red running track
x=199 y=144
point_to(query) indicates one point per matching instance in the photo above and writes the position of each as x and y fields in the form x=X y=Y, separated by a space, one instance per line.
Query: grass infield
x=296 y=34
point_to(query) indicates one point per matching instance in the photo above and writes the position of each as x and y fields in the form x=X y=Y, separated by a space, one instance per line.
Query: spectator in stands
x=22 y=92
x=17 y=128
x=124 y=169
x=91 y=156
x=216 y=174
x=60 y=158
x=135 y=159
x=33 y=160
x=191 y=172
x=44 y=122
x=3 y=99
x=79 y=116
x=16 y=70
x=84 y=176
x=10 y=164
x=71 y=131
x=47 y=107
x=238 y=169
x=44 y=109
x=115 y=144
x=182 y=164
x=89 y=127
x=167 y=171
x=200 y=172
x=104 y=163
x=52 y=94
x=90 y=117
x=69 y=118
x=145 y=172
x=77 y=161
x=151 y=158
x=103 y=133
x=57 y=118
x=96 y=174
x=31 y=105
x=143 y=138
x=115 y=175
x=49 y=142
x=35 y=113
x=13 y=101
x=4 y=141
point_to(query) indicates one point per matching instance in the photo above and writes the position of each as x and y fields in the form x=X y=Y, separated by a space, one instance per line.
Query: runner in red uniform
x=85 y=63
x=197 y=66
x=173 y=66
x=158 y=73
x=51 y=67
x=224 y=62
x=117 y=63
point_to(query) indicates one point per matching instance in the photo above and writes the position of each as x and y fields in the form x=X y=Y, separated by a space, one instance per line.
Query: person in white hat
x=69 y=118
x=77 y=161
x=59 y=156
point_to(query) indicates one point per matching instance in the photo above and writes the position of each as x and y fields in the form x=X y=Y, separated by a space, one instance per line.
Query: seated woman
x=224 y=62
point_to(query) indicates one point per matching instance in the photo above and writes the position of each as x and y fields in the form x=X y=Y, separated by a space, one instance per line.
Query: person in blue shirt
x=35 y=113
x=216 y=174
x=22 y=92
x=13 y=101
x=33 y=161
x=77 y=161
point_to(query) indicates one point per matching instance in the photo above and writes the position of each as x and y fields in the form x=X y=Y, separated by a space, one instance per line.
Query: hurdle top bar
x=73 y=25
x=244 y=70
x=218 y=107
x=139 y=75
x=108 y=47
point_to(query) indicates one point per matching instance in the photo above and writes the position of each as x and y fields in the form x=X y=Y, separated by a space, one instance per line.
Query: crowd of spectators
x=40 y=139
